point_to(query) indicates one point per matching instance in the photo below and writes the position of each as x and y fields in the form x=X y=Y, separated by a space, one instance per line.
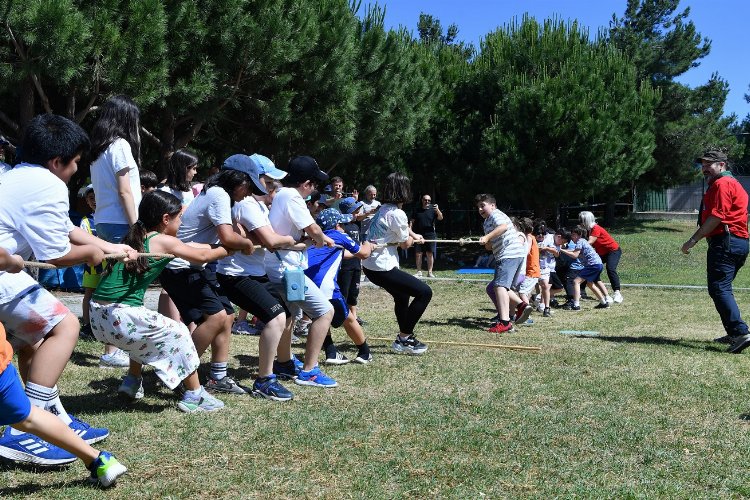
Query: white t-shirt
x=289 y=216
x=116 y=158
x=366 y=208
x=547 y=259
x=390 y=225
x=33 y=220
x=508 y=245
x=186 y=197
x=208 y=210
x=252 y=214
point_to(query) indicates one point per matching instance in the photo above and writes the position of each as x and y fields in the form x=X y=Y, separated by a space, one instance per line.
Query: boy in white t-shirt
x=34 y=220
x=289 y=215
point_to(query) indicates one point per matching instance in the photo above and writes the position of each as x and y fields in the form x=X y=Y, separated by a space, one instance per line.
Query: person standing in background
x=423 y=222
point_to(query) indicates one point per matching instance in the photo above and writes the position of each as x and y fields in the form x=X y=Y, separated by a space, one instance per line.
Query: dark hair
x=150 y=212
x=336 y=179
x=119 y=118
x=313 y=197
x=564 y=234
x=148 y=178
x=540 y=228
x=273 y=185
x=50 y=136
x=228 y=180
x=181 y=161
x=526 y=224
x=580 y=231
x=484 y=197
x=396 y=189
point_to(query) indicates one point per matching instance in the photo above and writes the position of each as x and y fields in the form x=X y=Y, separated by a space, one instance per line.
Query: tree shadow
x=84 y=359
x=703 y=345
x=248 y=368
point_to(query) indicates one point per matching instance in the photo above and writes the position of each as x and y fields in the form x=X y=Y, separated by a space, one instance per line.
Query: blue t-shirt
x=588 y=256
x=323 y=263
x=575 y=264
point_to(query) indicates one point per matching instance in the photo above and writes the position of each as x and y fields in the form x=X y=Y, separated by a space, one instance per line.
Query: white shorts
x=30 y=317
x=147 y=337
x=527 y=285
x=315 y=304
x=545 y=272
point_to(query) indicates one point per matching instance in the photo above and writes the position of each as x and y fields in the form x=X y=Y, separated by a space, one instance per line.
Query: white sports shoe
x=617 y=297
x=117 y=359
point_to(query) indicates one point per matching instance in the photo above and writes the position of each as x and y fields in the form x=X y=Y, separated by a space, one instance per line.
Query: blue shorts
x=506 y=272
x=15 y=406
x=591 y=273
x=340 y=310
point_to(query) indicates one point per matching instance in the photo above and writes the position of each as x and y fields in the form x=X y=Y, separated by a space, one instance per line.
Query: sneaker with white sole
x=362 y=360
x=270 y=388
x=105 y=470
x=84 y=430
x=315 y=378
x=227 y=385
x=243 y=328
x=29 y=449
x=739 y=343
x=409 y=345
x=131 y=388
x=205 y=402
x=430 y=274
x=338 y=359
x=115 y=359
x=610 y=300
x=617 y=297
x=418 y=274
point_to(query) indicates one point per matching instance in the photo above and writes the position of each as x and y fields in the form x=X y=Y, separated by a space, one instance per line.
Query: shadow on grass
x=633 y=226
x=105 y=398
x=32 y=488
x=466 y=322
x=704 y=345
x=84 y=359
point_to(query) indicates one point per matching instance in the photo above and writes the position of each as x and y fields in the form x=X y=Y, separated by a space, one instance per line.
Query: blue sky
x=724 y=22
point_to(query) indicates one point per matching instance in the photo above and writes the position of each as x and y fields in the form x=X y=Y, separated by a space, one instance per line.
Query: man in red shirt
x=724 y=224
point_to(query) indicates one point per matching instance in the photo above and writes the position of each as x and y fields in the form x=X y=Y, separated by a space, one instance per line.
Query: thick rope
x=469 y=344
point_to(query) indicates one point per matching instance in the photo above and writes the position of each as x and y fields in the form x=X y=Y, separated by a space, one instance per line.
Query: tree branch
x=150 y=136
x=10 y=123
x=34 y=77
x=90 y=105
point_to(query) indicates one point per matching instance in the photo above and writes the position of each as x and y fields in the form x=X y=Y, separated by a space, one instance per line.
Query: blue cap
x=349 y=205
x=267 y=167
x=328 y=218
x=245 y=164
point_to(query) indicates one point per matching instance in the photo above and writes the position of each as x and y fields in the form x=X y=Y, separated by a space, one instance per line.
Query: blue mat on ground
x=472 y=270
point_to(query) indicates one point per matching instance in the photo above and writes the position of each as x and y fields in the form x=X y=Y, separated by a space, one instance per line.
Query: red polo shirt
x=726 y=200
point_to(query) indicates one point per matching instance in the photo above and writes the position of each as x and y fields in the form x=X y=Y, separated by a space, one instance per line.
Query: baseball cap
x=328 y=218
x=349 y=205
x=267 y=167
x=245 y=164
x=712 y=155
x=305 y=168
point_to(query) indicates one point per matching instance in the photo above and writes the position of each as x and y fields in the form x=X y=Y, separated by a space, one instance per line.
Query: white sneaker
x=609 y=300
x=418 y=274
x=117 y=359
x=617 y=297
x=430 y=274
x=363 y=361
x=131 y=387
x=339 y=359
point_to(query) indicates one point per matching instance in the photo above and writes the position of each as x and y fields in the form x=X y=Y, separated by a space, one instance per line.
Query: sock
x=603 y=301
x=218 y=370
x=576 y=303
x=331 y=351
x=363 y=350
x=193 y=395
x=47 y=398
x=327 y=342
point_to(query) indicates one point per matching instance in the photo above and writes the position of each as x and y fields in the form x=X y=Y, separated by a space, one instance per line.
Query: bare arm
x=498 y=231
x=164 y=243
x=706 y=228
x=320 y=239
x=10 y=263
x=233 y=240
x=270 y=239
x=570 y=253
x=438 y=213
x=79 y=236
x=89 y=254
x=592 y=240
x=126 y=195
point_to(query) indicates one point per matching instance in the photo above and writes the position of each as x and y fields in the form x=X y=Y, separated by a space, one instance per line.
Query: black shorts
x=254 y=294
x=554 y=280
x=195 y=292
x=348 y=280
x=427 y=247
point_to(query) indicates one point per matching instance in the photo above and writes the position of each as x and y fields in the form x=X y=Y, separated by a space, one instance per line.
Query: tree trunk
x=167 y=144
x=609 y=213
x=25 y=104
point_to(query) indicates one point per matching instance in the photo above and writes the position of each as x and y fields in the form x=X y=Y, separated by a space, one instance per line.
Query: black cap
x=712 y=155
x=305 y=168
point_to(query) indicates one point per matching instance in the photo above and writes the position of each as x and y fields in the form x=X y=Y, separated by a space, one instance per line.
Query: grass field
x=649 y=408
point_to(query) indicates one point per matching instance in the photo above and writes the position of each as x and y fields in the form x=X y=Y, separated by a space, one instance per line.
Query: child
x=547 y=254
x=34 y=220
x=391 y=226
x=91 y=275
x=194 y=288
x=149 y=181
x=289 y=215
x=183 y=165
x=324 y=268
x=533 y=271
x=350 y=273
x=502 y=237
x=119 y=317
x=590 y=267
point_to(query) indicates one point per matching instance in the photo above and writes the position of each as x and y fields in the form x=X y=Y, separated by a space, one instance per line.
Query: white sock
x=218 y=370
x=193 y=395
x=575 y=303
x=47 y=398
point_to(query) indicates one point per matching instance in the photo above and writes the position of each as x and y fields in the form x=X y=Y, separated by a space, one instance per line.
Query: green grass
x=649 y=408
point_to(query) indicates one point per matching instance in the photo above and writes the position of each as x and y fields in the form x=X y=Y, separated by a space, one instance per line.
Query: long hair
x=228 y=180
x=150 y=212
x=181 y=161
x=119 y=118
x=396 y=189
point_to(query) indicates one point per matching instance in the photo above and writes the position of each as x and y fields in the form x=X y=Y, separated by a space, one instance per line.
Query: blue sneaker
x=89 y=434
x=270 y=388
x=298 y=365
x=106 y=469
x=30 y=449
x=287 y=370
x=315 y=378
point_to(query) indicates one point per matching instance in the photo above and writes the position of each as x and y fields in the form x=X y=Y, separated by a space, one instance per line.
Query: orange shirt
x=532 y=261
x=6 y=351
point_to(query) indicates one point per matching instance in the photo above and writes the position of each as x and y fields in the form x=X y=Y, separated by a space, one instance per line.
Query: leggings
x=611 y=260
x=402 y=287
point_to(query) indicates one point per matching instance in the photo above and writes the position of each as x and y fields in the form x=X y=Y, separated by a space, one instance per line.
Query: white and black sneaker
x=337 y=359
x=363 y=360
x=409 y=345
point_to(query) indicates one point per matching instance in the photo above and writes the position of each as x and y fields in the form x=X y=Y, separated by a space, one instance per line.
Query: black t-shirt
x=424 y=220
x=352 y=229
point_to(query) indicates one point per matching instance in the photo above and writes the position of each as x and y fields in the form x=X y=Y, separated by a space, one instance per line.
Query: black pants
x=402 y=287
x=611 y=260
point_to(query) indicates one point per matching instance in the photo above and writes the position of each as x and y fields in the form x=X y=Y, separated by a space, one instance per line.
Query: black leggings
x=611 y=260
x=402 y=287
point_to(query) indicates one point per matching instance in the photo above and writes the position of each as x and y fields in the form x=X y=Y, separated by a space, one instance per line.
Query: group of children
x=532 y=264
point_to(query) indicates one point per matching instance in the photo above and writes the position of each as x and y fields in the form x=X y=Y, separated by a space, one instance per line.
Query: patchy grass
x=649 y=407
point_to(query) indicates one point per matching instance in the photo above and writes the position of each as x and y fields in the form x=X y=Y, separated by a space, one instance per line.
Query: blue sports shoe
x=89 y=434
x=30 y=449
x=315 y=378
x=288 y=369
x=270 y=388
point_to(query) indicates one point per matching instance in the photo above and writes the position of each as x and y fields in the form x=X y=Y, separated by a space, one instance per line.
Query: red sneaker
x=500 y=328
x=523 y=311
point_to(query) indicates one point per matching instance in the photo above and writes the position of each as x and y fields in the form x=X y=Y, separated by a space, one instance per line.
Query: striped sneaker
x=30 y=449
x=89 y=434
